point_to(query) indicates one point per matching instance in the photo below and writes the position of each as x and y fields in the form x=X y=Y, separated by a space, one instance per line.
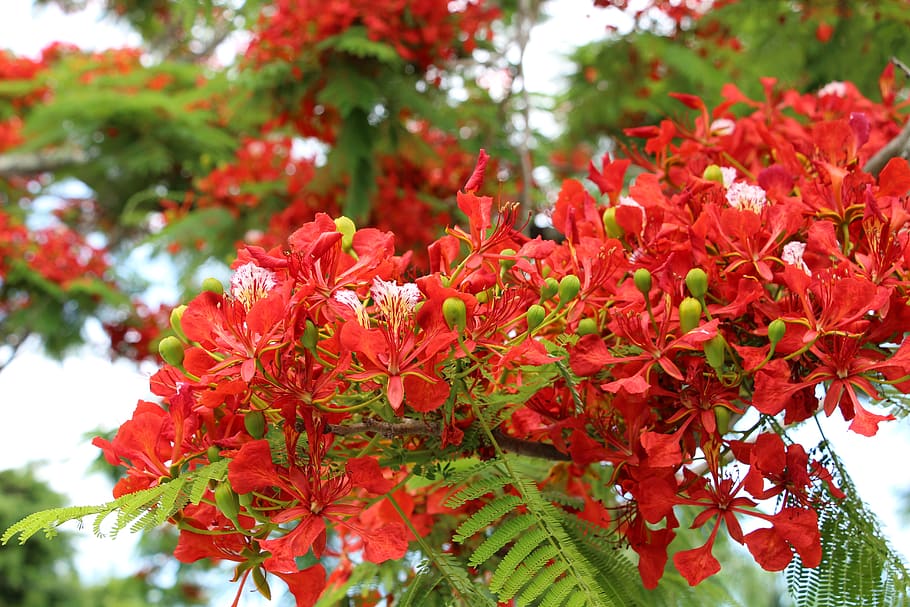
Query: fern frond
x=477 y=489
x=529 y=569
x=505 y=571
x=538 y=551
x=858 y=566
x=427 y=579
x=558 y=592
x=462 y=476
x=142 y=509
x=455 y=574
x=493 y=511
x=505 y=533
x=541 y=582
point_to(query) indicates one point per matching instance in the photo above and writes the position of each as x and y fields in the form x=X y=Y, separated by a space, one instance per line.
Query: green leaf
x=354 y=41
x=858 y=566
x=143 y=509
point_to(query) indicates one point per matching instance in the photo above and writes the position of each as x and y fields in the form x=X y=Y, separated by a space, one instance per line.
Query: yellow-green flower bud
x=689 y=314
x=722 y=418
x=171 y=350
x=176 y=325
x=213 y=285
x=504 y=263
x=347 y=228
x=310 y=336
x=227 y=501
x=455 y=313
x=642 y=279
x=536 y=314
x=549 y=289
x=569 y=287
x=254 y=421
x=483 y=297
x=697 y=282
x=715 y=352
x=587 y=326
x=612 y=228
x=262 y=585
x=214 y=453
x=246 y=499
x=776 y=330
x=713 y=173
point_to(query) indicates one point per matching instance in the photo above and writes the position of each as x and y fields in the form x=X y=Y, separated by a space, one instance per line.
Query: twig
x=408 y=427
x=32 y=163
x=13 y=342
x=525 y=18
x=413 y=427
x=897 y=147
x=901 y=66
x=529 y=448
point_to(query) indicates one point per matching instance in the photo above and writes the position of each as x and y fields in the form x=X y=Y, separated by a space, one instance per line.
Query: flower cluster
x=268 y=175
x=421 y=31
x=680 y=323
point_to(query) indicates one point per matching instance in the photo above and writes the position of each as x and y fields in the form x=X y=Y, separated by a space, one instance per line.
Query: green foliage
x=623 y=81
x=55 y=312
x=132 y=137
x=858 y=566
x=541 y=563
x=141 y=510
x=24 y=579
x=354 y=41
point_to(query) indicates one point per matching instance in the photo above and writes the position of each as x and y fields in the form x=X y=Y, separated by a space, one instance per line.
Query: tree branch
x=529 y=448
x=31 y=163
x=897 y=147
x=407 y=427
x=413 y=427
x=525 y=17
x=901 y=66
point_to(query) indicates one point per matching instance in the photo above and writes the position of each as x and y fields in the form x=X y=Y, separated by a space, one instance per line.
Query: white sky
x=46 y=407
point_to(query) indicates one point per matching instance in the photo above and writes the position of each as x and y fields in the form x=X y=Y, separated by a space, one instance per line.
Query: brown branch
x=525 y=18
x=408 y=427
x=901 y=66
x=31 y=163
x=529 y=448
x=897 y=147
x=413 y=427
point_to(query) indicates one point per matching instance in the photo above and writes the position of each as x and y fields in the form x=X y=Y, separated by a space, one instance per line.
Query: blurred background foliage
x=42 y=573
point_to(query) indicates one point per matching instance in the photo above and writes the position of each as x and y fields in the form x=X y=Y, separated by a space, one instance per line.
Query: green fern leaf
x=493 y=511
x=48 y=520
x=576 y=601
x=505 y=533
x=144 y=509
x=505 y=571
x=456 y=576
x=427 y=579
x=541 y=582
x=858 y=565
x=529 y=569
x=558 y=592
x=476 y=489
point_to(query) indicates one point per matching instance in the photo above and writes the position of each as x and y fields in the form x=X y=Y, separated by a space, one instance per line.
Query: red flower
x=316 y=498
x=397 y=348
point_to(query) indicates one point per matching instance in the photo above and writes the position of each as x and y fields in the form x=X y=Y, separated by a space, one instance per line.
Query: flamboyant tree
x=397 y=392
